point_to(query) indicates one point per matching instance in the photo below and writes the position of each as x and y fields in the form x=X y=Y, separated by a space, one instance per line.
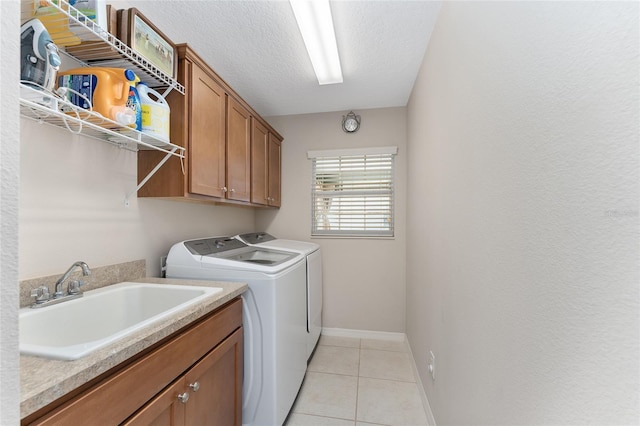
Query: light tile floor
x=358 y=382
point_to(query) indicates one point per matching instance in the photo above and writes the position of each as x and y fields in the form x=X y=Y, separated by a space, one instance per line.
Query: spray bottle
x=133 y=99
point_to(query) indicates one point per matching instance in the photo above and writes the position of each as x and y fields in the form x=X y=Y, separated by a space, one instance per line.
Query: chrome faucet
x=73 y=287
x=41 y=293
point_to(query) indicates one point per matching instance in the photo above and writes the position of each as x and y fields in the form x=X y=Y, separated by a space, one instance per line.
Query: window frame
x=365 y=196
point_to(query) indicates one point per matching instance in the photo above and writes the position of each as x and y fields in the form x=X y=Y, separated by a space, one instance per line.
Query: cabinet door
x=206 y=149
x=215 y=385
x=166 y=409
x=275 y=154
x=238 y=151
x=259 y=166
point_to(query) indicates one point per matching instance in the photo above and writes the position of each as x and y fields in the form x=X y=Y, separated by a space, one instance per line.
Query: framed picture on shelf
x=148 y=41
x=112 y=20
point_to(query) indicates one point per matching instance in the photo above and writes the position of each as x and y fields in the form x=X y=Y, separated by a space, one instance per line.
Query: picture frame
x=148 y=41
x=112 y=20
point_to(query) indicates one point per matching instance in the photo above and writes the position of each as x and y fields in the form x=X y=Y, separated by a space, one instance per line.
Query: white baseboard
x=423 y=395
x=364 y=334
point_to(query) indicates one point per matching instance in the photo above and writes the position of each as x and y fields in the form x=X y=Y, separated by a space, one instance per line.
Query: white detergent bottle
x=155 y=113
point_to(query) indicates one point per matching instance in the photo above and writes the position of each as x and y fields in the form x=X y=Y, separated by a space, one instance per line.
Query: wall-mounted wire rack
x=48 y=108
x=91 y=45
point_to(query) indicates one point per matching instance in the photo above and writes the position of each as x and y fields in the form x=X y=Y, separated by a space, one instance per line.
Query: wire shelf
x=47 y=108
x=86 y=41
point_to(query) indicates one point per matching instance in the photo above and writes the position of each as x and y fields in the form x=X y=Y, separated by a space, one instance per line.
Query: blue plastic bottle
x=133 y=100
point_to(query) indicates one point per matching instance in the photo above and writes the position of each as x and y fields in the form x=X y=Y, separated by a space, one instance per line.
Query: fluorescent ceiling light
x=316 y=25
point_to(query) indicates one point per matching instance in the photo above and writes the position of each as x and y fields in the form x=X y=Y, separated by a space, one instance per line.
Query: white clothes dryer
x=274 y=317
x=313 y=256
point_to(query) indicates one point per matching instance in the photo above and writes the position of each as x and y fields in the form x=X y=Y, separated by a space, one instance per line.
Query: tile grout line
x=383 y=379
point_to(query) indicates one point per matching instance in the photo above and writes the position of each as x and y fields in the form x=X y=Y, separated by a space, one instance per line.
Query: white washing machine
x=313 y=254
x=274 y=317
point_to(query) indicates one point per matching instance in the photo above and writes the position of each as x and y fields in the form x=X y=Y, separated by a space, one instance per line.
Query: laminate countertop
x=43 y=380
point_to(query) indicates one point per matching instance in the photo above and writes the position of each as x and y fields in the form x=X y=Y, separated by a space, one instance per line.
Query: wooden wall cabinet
x=205 y=133
x=275 y=169
x=193 y=378
x=215 y=126
x=238 y=151
x=266 y=158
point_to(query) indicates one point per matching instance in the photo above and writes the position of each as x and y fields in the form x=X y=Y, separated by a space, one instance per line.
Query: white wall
x=9 y=155
x=364 y=280
x=72 y=207
x=523 y=172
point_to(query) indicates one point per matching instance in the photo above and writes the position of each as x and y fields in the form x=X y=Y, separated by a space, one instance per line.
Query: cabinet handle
x=183 y=397
x=195 y=386
x=224 y=189
x=232 y=190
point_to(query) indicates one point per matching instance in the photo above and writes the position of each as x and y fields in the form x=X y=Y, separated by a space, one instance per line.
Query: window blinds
x=352 y=194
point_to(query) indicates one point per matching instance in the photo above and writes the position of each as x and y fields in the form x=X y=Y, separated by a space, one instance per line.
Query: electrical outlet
x=432 y=365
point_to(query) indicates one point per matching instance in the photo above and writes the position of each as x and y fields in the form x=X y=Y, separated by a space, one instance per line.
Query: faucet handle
x=41 y=294
x=74 y=286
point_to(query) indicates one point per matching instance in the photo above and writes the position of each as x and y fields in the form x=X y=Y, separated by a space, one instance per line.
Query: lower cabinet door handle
x=195 y=386
x=183 y=397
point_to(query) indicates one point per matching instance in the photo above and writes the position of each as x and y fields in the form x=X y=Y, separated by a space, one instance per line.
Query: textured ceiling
x=257 y=48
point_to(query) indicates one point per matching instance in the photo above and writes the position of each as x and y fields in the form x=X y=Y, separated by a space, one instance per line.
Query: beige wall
x=522 y=268
x=72 y=194
x=364 y=280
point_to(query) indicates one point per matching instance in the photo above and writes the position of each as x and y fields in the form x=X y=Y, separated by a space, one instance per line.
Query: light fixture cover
x=316 y=26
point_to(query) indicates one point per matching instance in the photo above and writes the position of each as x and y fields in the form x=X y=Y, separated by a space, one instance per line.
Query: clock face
x=351 y=125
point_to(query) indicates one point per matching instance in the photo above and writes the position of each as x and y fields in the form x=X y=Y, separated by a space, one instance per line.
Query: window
x=352 y=192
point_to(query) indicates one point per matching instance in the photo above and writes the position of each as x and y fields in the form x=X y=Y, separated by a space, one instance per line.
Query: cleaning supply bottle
x=102 y=90
x=155 y=112
x=133 y=99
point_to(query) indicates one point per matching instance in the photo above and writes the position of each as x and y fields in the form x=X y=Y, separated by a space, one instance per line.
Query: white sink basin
x=75 y=328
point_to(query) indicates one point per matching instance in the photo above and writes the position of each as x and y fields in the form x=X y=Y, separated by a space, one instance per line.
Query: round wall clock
x=350 y=122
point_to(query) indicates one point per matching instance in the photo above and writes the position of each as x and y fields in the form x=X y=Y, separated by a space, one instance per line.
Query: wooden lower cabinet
x=164 y=409
x=193 y=378
x=218 y=400
x=203 y=395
